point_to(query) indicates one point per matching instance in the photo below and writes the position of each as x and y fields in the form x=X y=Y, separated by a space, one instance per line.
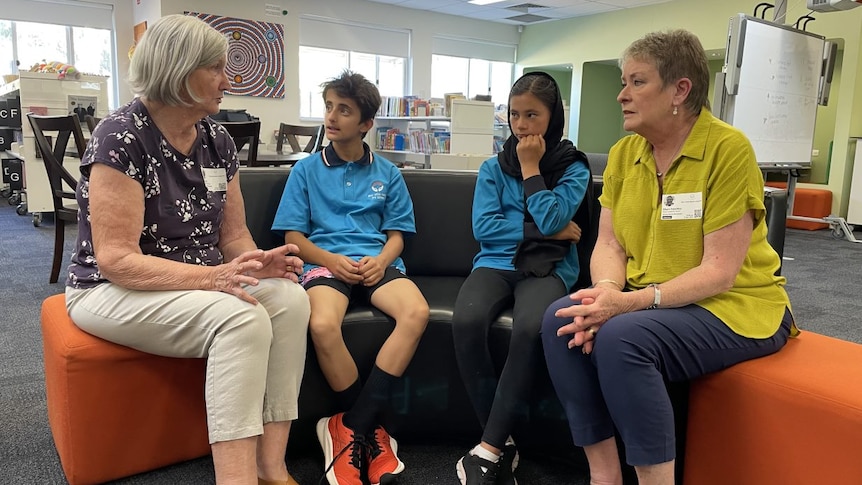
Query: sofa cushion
x=443 y=204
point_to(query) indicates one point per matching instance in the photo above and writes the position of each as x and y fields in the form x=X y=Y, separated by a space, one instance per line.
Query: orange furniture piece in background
x=115 y=411
x=791 y=418
x=816 y=203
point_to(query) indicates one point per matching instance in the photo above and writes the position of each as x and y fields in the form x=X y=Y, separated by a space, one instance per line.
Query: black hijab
x=559 y=154
x=539 y=256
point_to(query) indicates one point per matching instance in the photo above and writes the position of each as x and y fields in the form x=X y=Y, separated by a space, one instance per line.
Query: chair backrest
x=61 y=128
x=244 y=132
x=92 y=121
x=292 y=132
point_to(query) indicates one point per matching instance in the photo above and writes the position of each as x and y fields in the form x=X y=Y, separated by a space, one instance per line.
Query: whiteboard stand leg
x=841 y=228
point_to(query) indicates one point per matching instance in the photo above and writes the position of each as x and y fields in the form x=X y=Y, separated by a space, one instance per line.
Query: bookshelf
x=410 y=140
x=424 y=139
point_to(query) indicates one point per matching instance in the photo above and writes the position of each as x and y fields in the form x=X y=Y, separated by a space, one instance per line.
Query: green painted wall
x=562 y=75
x=601 y=119
x=824 y=130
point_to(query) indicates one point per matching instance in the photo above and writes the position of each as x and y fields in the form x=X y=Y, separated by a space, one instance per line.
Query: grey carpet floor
x=822 y=281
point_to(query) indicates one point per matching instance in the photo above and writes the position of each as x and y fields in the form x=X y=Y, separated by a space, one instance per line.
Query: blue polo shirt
x=346 y=207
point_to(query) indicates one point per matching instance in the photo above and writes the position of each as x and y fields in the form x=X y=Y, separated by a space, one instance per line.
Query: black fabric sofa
x=431 y=404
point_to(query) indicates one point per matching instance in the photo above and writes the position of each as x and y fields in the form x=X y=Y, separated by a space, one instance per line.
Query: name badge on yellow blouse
x=215 y=179
x=678 y=207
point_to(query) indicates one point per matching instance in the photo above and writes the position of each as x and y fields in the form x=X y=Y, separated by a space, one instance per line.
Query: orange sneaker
x=383 y=463
x=343 y=451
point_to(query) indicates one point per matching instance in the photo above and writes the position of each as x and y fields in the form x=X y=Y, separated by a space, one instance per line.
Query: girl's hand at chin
x=530 y=150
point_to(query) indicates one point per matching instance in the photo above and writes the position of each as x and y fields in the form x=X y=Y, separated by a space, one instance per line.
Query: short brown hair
x=355 y=86
x=675 y=54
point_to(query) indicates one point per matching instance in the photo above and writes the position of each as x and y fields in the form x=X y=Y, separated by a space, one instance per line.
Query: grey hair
x=168 y=53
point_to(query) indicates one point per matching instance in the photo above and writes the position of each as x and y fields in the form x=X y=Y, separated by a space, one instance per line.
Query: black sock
x=363 y=416
x=347 y=398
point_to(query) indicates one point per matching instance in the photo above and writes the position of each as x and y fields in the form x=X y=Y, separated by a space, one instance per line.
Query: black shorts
x=322 y=276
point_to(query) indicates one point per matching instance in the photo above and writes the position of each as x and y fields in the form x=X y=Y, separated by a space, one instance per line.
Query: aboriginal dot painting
x=255 y=55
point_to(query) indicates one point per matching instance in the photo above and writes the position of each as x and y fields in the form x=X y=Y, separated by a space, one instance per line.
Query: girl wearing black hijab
x=523 y=208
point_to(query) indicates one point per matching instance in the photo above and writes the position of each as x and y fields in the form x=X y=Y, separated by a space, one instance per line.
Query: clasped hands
x=368 y=271
x=251 y=266
x=597 y=305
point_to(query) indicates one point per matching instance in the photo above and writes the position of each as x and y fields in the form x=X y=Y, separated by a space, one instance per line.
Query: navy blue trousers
x=621 y=384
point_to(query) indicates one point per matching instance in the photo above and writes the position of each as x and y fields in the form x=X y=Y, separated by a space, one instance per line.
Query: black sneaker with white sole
x=508 y=463
x=474 y=470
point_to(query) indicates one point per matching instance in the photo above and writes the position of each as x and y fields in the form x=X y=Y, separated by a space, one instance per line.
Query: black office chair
x=291 y=132
x=244 y=132
x=61 y=128
x=91 y=121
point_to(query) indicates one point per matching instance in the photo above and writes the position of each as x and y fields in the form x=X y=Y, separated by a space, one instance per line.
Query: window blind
x=348 y=36
x=473 y=48
x=60 y=12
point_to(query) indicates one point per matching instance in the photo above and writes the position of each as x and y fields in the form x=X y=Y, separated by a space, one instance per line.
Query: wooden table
x=273 y=158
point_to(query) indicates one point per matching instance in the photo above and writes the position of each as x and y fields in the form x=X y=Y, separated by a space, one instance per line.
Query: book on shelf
x=404 y=106
x=448 y=97
x=418 y=141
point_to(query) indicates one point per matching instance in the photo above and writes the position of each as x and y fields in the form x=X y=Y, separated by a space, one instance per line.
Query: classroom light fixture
x=484 y=2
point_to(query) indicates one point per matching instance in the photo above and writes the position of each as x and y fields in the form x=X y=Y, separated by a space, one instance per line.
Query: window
x=318 y=65
x=451 y=74
x=329 y=46
x=92 y=49
x=7 y=56
x=41 y=43
x=88 y=49
x=471 y=67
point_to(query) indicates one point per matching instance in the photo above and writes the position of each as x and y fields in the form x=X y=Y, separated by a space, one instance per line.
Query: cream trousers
x=255 y=353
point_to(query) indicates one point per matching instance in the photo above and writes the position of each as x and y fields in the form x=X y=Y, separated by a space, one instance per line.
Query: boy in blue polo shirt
x=347 y=209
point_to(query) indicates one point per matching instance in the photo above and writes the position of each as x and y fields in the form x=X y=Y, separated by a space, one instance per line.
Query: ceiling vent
x=526 y=6
x=528 y=18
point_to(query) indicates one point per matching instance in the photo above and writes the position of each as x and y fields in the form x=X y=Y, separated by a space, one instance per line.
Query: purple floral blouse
x=184 y=196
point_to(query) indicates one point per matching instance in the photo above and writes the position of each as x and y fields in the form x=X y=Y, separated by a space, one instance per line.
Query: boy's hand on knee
x=371 y=270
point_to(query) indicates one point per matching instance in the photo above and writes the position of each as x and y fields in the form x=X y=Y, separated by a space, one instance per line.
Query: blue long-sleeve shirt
x=498 y=214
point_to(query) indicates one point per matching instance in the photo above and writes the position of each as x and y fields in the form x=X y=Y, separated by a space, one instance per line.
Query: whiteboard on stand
x=772 y=79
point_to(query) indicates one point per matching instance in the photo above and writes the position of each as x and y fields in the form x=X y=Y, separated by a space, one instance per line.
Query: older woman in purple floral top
x=165 y=264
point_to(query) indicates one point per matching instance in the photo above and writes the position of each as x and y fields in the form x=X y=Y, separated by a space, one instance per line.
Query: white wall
x=423 y=25
x=146 y=11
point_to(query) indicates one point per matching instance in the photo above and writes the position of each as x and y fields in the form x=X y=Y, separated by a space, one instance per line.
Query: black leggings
x=484 y=295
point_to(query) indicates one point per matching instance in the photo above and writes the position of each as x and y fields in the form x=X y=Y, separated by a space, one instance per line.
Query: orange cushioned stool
x=115 y=411
x=814 y=203
x=791 y=418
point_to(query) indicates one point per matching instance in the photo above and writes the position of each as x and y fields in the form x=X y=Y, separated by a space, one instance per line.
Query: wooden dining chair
x=61 y=182
x=91 y=121
x=292 y=132
x=244 y=132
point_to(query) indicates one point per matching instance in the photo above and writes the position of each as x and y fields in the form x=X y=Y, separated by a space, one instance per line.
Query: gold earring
x=675 y=111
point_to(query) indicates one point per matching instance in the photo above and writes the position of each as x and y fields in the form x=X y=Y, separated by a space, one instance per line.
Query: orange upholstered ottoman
x=814 y=203
x=792 y=418
x=115 y=411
